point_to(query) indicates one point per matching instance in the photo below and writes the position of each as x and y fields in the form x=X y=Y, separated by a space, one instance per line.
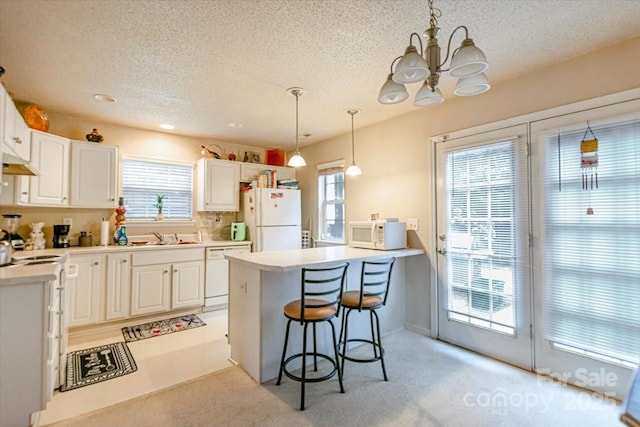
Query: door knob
x=442 y=251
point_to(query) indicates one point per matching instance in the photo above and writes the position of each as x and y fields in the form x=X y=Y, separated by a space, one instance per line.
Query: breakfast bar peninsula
x=261 y=283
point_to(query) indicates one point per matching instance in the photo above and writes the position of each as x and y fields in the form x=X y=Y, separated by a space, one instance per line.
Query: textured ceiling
x=203 y=64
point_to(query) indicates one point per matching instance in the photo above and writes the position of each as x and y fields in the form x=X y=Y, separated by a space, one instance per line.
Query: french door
x=483 y=244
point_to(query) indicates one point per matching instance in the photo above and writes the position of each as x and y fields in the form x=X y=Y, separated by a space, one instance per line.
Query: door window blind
x=487 y=217
x=592 y=262
x=144 y=180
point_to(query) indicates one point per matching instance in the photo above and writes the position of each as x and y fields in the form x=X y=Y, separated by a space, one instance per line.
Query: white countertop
x=317 y=257
x=18 y=274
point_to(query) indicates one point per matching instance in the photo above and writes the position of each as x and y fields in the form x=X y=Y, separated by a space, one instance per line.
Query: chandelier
x=468 y=64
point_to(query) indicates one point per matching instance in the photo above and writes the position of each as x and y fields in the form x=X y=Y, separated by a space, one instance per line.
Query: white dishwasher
x=216 y=287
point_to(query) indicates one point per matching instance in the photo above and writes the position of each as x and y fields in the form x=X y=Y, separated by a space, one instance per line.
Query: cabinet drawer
x=167 y=256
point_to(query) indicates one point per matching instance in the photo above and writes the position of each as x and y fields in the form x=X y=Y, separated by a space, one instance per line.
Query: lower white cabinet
x=118 y=286
x=84 y=290
x=150 y=289
x=167 y=280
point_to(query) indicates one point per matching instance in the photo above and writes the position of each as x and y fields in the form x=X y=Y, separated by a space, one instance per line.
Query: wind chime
x=589 y=164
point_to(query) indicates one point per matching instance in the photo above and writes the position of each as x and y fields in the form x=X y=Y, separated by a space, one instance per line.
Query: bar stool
x=375 y=277
x=321 y=291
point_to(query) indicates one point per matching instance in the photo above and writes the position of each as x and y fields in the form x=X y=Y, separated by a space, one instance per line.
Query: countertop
x=18 y=274
x=317 y=257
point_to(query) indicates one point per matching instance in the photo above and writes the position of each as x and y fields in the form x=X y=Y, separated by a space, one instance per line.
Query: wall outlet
x=412 y=224
x=67 y=221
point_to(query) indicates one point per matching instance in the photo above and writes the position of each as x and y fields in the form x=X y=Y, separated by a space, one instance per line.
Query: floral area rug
x=97 y=364
x=161 y=327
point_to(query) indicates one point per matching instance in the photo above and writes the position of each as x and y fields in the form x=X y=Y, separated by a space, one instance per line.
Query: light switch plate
x=412 y=224
x=67 y=221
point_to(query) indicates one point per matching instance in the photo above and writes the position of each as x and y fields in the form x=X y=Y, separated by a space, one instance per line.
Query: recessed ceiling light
x=235 y=125
x=104 y=98
x=167 y=126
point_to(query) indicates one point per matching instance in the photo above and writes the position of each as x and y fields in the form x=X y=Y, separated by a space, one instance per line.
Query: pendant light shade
x=296 y=160
x=353 y=170
x=392 y=92
x=427 y=96
x=468 y=60
x=472 y=85
x=411 y=68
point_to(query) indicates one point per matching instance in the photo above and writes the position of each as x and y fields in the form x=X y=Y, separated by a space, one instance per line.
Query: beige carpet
x=430 y=384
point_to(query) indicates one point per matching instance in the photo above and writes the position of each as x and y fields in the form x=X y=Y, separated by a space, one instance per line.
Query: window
x=592 y=279
x=331 y=202
x=143 y=180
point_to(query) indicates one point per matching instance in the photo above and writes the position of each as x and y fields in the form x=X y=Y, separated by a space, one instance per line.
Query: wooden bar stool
x=375 y=277
x=321 y=291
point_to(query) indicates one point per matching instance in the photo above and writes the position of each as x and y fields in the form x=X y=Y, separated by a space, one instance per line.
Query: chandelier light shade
x=296 y=160
x=468 y=64
x=353 y=170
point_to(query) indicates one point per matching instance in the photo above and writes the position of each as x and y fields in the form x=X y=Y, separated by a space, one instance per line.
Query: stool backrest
x=375 y=278
x=323 y=284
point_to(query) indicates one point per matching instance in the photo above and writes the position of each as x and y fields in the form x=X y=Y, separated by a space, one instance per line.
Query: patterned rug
x=94 y=365
x=162 y=327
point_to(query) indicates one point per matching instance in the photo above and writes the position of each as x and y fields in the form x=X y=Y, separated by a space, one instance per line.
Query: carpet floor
x=430 y=384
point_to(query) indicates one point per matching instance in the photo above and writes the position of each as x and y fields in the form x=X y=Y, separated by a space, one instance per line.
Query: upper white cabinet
x=249 y=171
x=50 y=156
x=93 y=175
x=15 y=133
x=218 y=185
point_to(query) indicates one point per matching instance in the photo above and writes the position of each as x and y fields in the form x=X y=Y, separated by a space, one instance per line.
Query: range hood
x=12 y=165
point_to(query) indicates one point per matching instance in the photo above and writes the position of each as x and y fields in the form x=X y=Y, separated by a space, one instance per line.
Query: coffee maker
x=11 y=223
x=61 y=236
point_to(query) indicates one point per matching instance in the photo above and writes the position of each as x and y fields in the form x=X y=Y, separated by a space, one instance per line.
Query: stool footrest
x=310 y=380
x=342 y=351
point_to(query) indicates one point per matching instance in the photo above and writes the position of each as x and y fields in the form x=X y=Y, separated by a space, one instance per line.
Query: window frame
x=322 y=169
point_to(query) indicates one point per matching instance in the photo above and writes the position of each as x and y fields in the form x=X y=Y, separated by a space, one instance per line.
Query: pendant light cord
x=353 y=154
x=297 y=150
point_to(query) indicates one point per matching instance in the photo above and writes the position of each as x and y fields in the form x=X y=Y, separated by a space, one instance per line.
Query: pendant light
x=353 y=170
x=296 y=160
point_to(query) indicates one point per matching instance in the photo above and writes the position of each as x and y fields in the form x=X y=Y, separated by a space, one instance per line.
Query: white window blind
x=592 y=262
x=487 y=229
x=331 y=203
x=143 y=180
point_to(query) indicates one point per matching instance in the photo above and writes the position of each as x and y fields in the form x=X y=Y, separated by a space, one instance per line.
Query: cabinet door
x=249 y=171
x=218 y=185
x=84 y=291
x=93 y=175
x=284 y=172
x=187 y=284
x=50 y=157
x=150 y=291
x=118 y=286
x=21 y=137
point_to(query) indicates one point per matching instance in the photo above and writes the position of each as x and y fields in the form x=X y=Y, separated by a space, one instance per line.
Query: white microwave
x=382 y=235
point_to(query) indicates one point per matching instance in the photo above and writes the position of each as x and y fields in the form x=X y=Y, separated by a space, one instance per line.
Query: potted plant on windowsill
x=159 y=202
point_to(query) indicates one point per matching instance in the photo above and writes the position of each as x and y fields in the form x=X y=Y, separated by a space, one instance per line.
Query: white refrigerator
x=273 y=218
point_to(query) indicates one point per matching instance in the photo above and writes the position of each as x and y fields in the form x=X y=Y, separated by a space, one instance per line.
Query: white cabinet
x=15 y=133
x=150 y=289
x=93 y=175
x=187 y=284
x=84 y=289
x=249 y=171
x=218 y=185
x=118 y=286
x=30 y=327
x=166 y=279
x=50 y=157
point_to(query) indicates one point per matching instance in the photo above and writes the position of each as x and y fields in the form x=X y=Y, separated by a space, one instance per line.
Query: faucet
x=160 y=238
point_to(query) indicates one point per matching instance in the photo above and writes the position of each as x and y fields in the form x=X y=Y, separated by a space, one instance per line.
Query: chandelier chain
x=435 y=14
